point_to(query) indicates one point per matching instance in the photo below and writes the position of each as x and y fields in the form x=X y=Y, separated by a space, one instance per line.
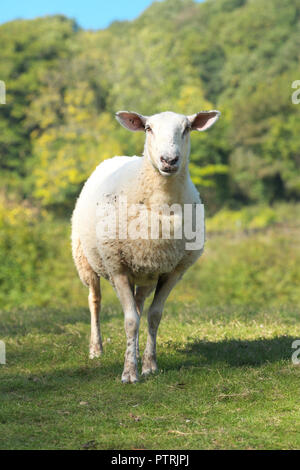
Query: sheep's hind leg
x=96 y=348
x=164 y=286
x=132 y=321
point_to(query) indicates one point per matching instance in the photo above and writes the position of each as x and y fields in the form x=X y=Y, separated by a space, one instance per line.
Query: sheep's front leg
x=141 y=294
x=131 y=320
x=164 y=286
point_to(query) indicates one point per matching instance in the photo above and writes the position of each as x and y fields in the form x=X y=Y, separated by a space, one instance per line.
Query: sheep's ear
x=131 y=120
x=203 y=120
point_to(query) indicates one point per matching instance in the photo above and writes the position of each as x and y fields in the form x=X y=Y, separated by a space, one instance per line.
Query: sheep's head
x=167 y=142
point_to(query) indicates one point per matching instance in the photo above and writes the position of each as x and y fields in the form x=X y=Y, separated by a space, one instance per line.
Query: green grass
x=225 y=381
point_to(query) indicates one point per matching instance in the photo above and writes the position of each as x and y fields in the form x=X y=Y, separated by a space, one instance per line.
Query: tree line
x=64 y=84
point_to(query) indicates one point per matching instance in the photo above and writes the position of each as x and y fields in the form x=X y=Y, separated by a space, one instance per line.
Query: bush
x=35 y=257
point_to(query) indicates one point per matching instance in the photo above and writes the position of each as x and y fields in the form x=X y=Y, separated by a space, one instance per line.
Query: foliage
x=253 y=218
x=251 y=256
x=259 y=270
x=64 y=85
x=34 y=250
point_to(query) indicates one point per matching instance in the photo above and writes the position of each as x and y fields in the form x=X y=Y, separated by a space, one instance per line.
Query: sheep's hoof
x=95 y=351
x=129 y=377
x=149 y=367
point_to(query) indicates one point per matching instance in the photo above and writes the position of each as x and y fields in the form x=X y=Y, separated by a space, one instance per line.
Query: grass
x=226 y=379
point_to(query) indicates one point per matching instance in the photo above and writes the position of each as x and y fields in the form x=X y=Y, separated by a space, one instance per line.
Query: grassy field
x=226 y=379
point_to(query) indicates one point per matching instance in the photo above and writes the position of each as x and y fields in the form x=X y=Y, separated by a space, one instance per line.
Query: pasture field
x=226 y=379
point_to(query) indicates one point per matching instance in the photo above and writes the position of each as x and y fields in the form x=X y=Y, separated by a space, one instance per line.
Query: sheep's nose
x=169 y=161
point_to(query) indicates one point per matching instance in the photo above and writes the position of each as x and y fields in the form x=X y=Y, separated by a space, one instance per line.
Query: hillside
x=64 y=85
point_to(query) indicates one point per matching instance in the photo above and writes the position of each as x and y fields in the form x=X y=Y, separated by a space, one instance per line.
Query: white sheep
x=136 y=266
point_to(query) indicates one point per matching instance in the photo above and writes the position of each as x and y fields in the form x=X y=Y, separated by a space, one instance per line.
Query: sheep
x=135 y=266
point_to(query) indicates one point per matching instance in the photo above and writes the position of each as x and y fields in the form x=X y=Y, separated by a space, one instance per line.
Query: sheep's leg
x=132 y=321
x=96 y=348
x=141 y=294
x=164 y=286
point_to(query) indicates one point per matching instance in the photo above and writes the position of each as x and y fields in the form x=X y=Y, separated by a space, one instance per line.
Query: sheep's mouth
x=168 y=171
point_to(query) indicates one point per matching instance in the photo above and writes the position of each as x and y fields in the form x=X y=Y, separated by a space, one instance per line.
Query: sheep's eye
x=148 y=129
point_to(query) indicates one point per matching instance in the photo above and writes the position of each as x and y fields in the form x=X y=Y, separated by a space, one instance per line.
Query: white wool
x=139 y=179
x=158 y=179
x=106 y=178
x=120 y=176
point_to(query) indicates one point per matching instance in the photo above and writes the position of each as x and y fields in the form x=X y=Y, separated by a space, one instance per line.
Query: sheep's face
x=167 y=142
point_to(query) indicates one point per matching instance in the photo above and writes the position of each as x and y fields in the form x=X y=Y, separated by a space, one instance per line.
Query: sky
x=89 y=14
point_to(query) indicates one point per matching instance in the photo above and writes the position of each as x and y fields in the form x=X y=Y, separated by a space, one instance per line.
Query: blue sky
x=90 y=14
